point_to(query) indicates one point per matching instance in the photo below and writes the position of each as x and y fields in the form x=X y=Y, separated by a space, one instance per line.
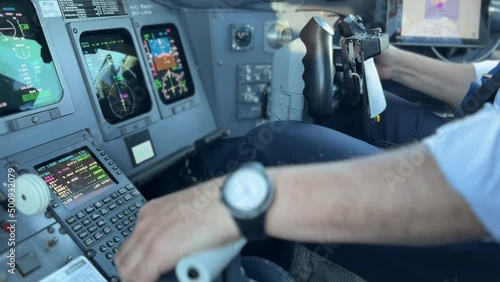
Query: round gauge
x=242 y=37
x=111 y=84
x=121 y=100
x=7 y=28
x=173 y=84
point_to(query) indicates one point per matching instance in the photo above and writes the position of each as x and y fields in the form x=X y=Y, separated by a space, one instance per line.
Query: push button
x=83 y=234
x=101 y=223
x=80 y=215
x=92 y=229
x=98 y=236
x=98 y=204
x=86 y=222
x=107 y=230
x=71 y=220
x=90 y=210
x=77 y=227
x=89 y=241
x=106 y=200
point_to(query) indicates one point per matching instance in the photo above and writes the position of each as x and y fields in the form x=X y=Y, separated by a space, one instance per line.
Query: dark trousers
x=281 y=143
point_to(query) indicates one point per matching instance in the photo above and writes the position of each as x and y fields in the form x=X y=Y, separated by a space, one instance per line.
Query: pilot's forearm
x=396 y=198
x=447 y=82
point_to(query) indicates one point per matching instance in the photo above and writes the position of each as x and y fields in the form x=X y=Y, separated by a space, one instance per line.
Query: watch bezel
x=263 y=207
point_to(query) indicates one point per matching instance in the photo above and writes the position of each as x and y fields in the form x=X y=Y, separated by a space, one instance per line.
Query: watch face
x=246 y=190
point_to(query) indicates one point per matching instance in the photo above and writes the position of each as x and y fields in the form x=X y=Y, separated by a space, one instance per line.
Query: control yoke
x=357 y=46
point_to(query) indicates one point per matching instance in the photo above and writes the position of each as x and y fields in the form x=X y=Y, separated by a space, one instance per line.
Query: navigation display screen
x=116 y=74
x=28 y=78
x=438 y=22
x=75 y=177
x=168 y=62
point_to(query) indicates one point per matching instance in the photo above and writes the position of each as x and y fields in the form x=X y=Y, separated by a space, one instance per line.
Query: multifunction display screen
x=437 y=22
x=168 y=62
x=116 y=74
x=28 y=77
x=75 y=177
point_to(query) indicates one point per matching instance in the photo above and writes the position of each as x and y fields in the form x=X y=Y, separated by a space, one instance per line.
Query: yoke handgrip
x=319 y=71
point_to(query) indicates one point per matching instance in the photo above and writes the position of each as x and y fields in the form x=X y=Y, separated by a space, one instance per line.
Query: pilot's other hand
x=386 y=62
x=172 y=227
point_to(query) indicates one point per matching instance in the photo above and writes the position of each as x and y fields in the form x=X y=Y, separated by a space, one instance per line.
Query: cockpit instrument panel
x=116 y=74
x=168 y=62
x=28 y=77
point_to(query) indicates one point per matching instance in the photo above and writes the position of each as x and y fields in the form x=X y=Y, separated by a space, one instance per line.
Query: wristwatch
x=248 y=193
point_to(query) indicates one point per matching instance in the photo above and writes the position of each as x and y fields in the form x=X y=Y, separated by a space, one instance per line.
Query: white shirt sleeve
x=484 y=67
x=468 y=153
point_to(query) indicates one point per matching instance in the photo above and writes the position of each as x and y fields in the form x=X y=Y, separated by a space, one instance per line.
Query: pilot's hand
x=172 y=227
x=386 y=62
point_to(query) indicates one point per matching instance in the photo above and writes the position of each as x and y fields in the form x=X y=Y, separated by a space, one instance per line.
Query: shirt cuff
x=483 y=67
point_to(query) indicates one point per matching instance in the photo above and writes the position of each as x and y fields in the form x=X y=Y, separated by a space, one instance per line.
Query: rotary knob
x=32 y=194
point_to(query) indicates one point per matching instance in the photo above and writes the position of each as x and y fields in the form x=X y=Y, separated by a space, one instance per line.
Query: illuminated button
x=126 y=222
x=128 y=197
x=71 y=220
x=119 y=226
x=95 y=216
x=114 y=219
x=112 y=206
x=80 y=215
x=131 y=218
x=132 y=208
x=120 y=216
x=135 y=193
x=126 y=212
x=98 y=235
x=109 y=256
x=106 y=200
x=90 y=209
x=138 y=205
x=116 y=239
x=102 y=248
x=107 y=230
x=129 y=186
x=122 y=191
x=83 y=234
x=107 y=158
x=115 y=167
x=92 y=229
x=110 y=244
x=98 y=204
x=77 y=227
x=104 y=211
x=120 y=202
x=86 y=222
x=125 y=233
x=115 y=195
x=101 y=223
x=88 y=242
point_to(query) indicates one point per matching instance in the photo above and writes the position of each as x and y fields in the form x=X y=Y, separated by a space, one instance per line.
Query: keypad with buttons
x=108 y=221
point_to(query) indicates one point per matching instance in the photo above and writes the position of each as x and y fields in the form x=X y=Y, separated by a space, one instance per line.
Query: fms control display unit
x=90 y=197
